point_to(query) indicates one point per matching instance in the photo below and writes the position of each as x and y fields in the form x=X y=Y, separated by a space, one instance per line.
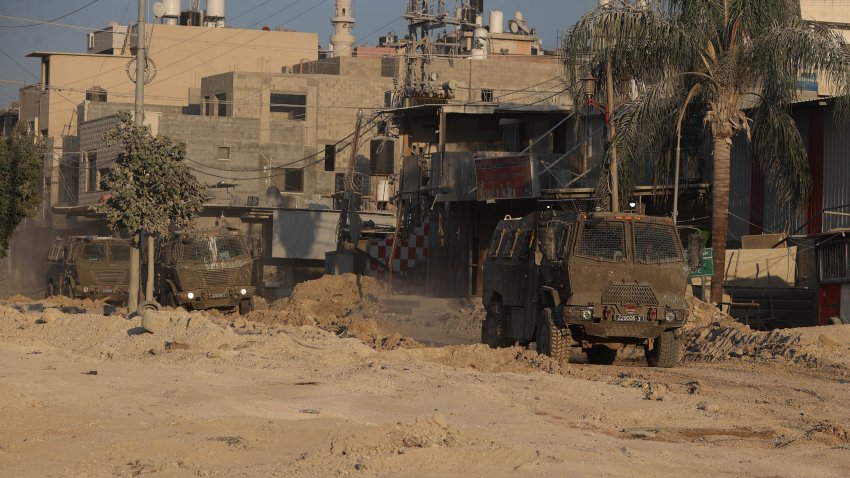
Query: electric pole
x=141 y=61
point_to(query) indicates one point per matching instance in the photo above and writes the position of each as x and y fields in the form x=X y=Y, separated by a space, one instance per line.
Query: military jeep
x=89 y=267
x=599 y=281
x=206 y=269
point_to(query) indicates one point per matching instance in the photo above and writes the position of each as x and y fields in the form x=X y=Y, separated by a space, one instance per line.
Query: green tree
x=150 y=189
x=732 y=63
x=21 y=160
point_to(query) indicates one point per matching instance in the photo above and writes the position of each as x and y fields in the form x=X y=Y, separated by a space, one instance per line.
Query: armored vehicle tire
x=667 y=352
x=493 y=327
x=246 y=306
x=601 y=355
x=835 y=321
x=552 y=340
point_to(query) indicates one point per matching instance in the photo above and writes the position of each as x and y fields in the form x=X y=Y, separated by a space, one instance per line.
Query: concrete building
x=181 y=56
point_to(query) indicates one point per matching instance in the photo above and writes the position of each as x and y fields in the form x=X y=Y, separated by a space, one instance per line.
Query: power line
x=53 y=20
x=16 y=62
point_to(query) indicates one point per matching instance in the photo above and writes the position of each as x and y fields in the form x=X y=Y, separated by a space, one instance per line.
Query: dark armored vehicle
x=89 y=267
x=598 y=281
x=206 y=269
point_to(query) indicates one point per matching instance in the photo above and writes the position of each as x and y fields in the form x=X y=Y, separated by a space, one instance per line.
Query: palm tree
x=733 y=63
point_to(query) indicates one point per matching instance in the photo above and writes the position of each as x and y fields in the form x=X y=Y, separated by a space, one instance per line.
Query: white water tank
x=480 y=44
x=497 y=21
x=172 y=8
x=215 y=8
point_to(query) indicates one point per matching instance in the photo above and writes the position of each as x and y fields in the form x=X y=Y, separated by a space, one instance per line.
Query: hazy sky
x=374 y=18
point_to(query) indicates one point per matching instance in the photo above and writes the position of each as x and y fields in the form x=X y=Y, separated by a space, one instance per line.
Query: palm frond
x=779 y=149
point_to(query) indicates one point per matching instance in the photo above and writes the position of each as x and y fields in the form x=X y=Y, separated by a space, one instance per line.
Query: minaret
x=342 y=40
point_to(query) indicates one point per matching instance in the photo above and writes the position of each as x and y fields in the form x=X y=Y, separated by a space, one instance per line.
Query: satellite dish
x=273 y=197
x=158 y=10
x=514 y=27
x=434 y=76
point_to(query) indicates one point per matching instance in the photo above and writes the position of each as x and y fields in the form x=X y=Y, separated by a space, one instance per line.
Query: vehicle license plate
x=218 y=296
x=628 y=318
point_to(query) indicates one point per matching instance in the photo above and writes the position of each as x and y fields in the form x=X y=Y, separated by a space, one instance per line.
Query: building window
x=96 y=95
x=222 y=104
x=293 y=180
x=224 y=153
x=93 y=181
x=209 y=109
x=330 y=157
x=487 y=95
x=295 y=106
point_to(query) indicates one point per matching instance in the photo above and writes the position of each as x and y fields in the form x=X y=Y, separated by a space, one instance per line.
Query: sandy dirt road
x=227 y=398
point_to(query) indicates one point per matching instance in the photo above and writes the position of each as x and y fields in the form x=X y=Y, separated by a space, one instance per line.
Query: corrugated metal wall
x=739 y=188
x=836 y=171
x=781 y=217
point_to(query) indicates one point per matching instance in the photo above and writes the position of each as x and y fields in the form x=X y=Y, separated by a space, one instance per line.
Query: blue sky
x=374 y=18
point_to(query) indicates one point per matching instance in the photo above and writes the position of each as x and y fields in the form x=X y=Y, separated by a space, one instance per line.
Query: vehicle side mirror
x=695 y=249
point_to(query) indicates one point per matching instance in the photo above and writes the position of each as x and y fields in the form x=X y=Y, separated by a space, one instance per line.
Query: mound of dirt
x=377 y=447
x=712 y=336
x=345 y=305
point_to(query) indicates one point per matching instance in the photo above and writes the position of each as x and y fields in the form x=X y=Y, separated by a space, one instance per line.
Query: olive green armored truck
x=206 y=269
x=594 y=280
x=89 y=267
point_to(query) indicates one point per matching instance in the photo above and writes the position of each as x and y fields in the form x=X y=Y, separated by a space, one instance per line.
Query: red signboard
x=506 y=177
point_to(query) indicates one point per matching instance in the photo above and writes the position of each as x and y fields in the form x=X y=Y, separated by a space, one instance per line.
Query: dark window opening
x=222 y=104
x=330 y=157
x=294 y=105
x=209 y=110
x=487 y=95
x=96 y=95
x=92 y=172
x=293 y=180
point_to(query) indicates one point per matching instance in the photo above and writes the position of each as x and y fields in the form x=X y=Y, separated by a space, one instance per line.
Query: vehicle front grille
x=110 y=278
x=219 y=278
x=629 y=294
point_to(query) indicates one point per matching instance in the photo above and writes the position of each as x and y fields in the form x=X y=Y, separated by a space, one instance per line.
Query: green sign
x=706 y=267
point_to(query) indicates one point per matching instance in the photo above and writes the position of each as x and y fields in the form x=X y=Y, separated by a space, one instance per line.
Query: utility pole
x=141 y=61
x=612 y=131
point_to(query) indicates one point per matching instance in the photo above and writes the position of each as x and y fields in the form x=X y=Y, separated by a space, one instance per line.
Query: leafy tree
x=732 y=63
x=150 y=189
x=21 y=162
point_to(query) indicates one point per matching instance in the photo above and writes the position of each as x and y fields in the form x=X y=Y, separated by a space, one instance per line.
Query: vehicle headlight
x=574 y=312
x=244 y=291
x=190 y=295
x=85 y=289
x=674 y=315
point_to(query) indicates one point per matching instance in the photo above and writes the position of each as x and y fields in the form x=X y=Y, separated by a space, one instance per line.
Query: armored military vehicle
x=595 y=280
x=89 y=267
x=206 y=269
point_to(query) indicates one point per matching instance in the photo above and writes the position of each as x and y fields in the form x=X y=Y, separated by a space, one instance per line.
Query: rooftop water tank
x=215 y=8
x=497 y=22
x=172 y=8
